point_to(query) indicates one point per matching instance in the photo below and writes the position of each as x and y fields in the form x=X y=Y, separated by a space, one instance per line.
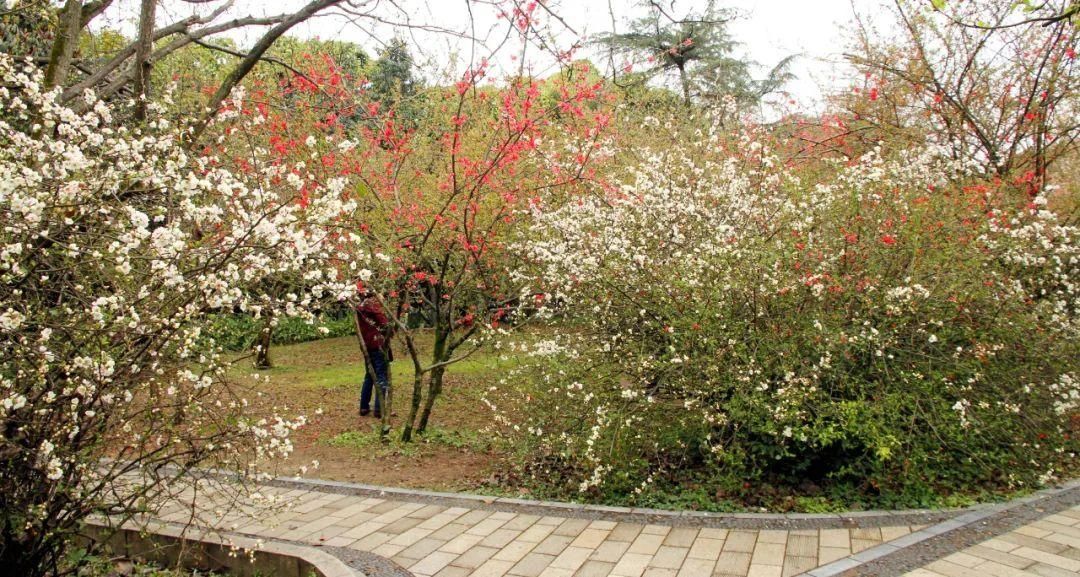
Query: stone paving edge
x=896 y=557
x=702 y=519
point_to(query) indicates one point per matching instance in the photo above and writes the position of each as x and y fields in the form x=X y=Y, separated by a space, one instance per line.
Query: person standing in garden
x=373 y=326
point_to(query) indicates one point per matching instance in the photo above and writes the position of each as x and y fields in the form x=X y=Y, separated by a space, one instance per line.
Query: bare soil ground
x=457 y=454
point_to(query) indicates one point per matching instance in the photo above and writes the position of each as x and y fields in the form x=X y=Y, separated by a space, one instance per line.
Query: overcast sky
x=769 y=30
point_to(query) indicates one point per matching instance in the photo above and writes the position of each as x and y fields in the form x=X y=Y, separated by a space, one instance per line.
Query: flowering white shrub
x=115 y=244
x=887 y=323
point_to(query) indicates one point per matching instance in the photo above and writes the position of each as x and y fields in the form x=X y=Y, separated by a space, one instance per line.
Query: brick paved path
x=1049 y=547
x=430 y=539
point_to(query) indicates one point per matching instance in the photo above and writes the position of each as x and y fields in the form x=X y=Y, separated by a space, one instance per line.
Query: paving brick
x=835 y=538
x=999 y=545
x=461 y=543
x=1063 y=539
x=409 y=537
x=830 y=554
x=1032 y=543
x=890 y=533
x=421 y=549
x=591 y=538
x=553 y=544
x=402 y=525
x=387 y=550
x=740 y=541
x=536 y=533
x=572 y=527
x=1050 y=571
x=963 y=559
x=492 y=568
x=794 y=565
x=994 y=569
x=427 y=512
x=862 y=544
x=452 y=571
x=594 y=569
x=500 y=538
x=646 y=544
x=571 y=558
x=697 y=568
x=610 y=551
x=765 y=571
x=432 y=564
x=988 y=554
x=449 y=531
x=768 y=554
x=1032 y=531
x=656 y=529
x=438 y=521
x=625 y=532
x=713 y=533
x=681 y=537
x=706 y=549
x=802 y=546
x=474 y=557
x=669 y=557
x=514 y=551
x=772 y=536
x=486 y=527
x=532 y=564
x=953 y=570
x=1048 y=558
x=631 y=565
x=371 y=541
x=733 y=563
x=473 y=517
x=521 y=522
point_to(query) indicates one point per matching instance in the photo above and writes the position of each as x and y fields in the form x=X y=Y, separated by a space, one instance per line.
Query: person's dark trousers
x=381 y=368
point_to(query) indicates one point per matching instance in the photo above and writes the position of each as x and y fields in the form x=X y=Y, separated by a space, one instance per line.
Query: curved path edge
x=967 y=529
x=173 y=543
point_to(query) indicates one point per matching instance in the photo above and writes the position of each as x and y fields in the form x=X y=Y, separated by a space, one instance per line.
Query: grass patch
x=369 y=441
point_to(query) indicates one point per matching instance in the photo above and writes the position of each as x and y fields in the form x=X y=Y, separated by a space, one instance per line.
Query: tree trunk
x=414 y=407
x=143 y=66
x=63 y=48
x=262 y=344
x=685 y=80
x=434 y=389
x=439 y=354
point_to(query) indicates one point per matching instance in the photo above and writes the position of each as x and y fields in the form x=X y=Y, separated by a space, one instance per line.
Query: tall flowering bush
x=116 y=245
x=889 y=325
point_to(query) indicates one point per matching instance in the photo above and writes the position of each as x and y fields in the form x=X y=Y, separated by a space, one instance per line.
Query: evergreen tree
x=699 y=49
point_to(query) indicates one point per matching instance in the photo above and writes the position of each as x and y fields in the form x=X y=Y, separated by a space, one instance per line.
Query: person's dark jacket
x=373 y=324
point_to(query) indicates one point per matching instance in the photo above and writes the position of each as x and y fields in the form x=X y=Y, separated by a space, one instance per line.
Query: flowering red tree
x=443 y=200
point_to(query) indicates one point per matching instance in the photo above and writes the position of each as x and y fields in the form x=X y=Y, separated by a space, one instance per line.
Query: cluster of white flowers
x=116 y=242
